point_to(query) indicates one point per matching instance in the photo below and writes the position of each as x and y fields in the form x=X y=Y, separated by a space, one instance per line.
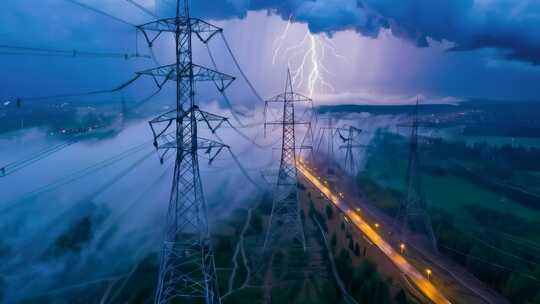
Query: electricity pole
x=327 y=133
x=285 y=221
x=187 y=271
x=413 y=210
x=350 y=142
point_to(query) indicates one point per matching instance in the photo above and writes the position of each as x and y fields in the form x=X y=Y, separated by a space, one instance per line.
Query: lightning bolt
x=306 y=60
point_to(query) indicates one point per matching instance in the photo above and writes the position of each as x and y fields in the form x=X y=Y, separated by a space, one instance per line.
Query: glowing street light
x=402 y=248
x=428 y=272
x=377 y=225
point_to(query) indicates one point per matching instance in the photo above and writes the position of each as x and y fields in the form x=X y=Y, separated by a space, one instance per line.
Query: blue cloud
x=509 y=25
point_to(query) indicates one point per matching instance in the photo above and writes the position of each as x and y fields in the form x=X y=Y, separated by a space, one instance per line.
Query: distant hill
x=385 y=109
x=471 y=104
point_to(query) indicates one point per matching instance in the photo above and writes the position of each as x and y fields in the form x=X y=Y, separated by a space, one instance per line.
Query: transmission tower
x=187 y=271
x=350 y=142
x=327 y=134
x=413 y=210
x=285 y=222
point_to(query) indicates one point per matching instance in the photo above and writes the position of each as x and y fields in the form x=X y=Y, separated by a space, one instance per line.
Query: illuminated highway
x=416 y=277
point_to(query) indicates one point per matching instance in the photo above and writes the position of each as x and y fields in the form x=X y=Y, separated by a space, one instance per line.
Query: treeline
x=498 y=160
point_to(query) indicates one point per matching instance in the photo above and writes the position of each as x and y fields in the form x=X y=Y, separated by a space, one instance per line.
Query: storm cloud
x=511 y=27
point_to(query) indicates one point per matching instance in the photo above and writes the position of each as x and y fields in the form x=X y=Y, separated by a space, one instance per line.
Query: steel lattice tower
x=413 y=210
x=350 y=142
x=327 y=133
x=187 y=271
x=285 y=221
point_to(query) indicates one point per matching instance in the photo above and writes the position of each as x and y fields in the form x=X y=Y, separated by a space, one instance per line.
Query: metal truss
x=350 y=142
x=202 y=29
x=413 y=210
x=187 y=271
x=326 y=133
x=285 y=221
x=190 y=70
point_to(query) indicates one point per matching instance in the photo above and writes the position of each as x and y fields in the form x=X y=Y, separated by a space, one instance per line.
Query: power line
x=187 y=268
x=142 y=8
x=503 y=252
x=246 y=137
x=239 y=67
x=244 y=171
x=225 y=97
x=75 y=176
x=88 y=7
x=15 y=166
x=73 y=53
x=526 y=275
x=98 y=92
x=25 y=162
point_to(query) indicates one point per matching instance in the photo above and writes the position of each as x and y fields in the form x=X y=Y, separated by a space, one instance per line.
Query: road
x=416 y=277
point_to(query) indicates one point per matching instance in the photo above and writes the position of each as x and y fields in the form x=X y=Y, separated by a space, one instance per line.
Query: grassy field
x=482 y=226
x=387 y=164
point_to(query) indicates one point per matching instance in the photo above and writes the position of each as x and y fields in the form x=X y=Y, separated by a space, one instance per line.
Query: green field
x=480 y=220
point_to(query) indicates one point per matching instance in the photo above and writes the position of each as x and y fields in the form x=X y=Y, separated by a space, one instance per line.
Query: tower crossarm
x=210 y=147
x=161 y=124
x=280 y=123
x=202 y=29
x=168 y=72
x=289 y=97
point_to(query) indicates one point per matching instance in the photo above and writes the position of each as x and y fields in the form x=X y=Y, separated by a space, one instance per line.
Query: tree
x=257 y=223
x=401 y=297
x=333 y=241
x=356 y=250
x=329 y=212
x=521 y=289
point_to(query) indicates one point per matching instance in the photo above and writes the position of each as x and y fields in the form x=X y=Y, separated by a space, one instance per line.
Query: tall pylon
x=285 y=221
x=327 y=134
x=350 y=142
x=413 y=210
x=187 y=272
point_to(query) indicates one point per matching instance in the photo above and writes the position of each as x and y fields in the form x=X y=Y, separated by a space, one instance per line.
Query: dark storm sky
x=383 y=51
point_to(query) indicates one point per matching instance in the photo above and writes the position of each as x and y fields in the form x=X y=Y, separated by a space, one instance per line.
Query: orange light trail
x=421 y=282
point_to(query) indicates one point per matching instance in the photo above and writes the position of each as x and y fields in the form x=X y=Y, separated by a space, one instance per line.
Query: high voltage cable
x=100 y=12
x=484 y=228
x=504 y=252
x=255 y=92
x=246 y=137
x=106 y=226
x=244 y=171
x=38 y=51
x=526 y=275
x=233 y=111
x=142 y=8
x=76 y=175
x=25 y=162
x=44 y=153
x=106 y=185
x=83 y=94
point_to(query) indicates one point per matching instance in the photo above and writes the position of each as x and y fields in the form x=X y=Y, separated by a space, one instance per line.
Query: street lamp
x=428 y=272
x=377 y=225
x=402 y=248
